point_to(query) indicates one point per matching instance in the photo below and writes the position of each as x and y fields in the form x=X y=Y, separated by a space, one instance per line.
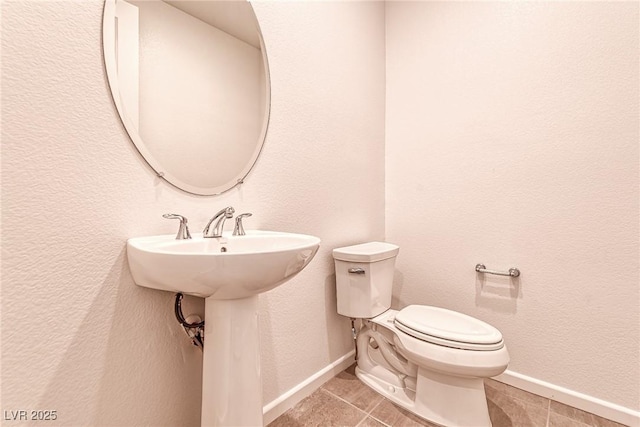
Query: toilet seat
x=448 y=328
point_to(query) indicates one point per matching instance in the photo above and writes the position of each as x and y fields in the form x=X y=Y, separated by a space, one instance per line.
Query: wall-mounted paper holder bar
x=513 y=272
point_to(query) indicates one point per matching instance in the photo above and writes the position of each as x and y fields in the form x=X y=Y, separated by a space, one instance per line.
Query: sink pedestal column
x=231 y=381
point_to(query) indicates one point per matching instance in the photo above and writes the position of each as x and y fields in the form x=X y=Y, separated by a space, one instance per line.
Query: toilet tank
x=364 y=278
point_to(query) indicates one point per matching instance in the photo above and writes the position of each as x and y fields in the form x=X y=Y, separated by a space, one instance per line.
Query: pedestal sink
x=229 y=272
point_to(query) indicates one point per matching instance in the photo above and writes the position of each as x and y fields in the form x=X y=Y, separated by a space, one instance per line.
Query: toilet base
x=442 y=399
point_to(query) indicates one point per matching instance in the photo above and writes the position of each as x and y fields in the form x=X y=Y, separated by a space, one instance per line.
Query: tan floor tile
x=320 y=409
x=508 y=411
x=493 y=387
x=348 y=387
x=557 y=420
x=570 y=412
x=581 y=416
x=395 y=416
x=603 y=422
x=371 y=422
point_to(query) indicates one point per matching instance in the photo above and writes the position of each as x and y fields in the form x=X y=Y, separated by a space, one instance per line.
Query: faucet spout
x=218 y=223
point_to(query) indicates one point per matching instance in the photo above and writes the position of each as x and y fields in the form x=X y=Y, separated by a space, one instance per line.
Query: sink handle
x=183 y=230
x=239 y=229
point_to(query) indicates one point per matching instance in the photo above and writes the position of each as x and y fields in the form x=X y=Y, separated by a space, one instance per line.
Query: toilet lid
x=449 y=328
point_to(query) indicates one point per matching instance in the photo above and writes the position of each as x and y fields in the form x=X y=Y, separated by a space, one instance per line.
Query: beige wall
x=77 y=335
x=512 y=140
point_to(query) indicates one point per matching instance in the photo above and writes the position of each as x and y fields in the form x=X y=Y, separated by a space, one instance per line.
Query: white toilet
x=429 y=360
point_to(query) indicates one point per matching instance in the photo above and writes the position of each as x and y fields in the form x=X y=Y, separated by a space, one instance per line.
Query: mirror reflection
x=190 y=81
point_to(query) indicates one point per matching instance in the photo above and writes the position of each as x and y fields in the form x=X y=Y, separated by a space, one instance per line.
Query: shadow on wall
x=398 y=284
x=337 y=328
x=129 y=362
x=337 y=325
x=498 y=293
x=268 y=350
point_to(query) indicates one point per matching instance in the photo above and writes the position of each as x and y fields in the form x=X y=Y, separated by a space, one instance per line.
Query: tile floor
x=345 y=401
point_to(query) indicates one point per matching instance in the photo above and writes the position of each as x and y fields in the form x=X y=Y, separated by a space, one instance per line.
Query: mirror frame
x=108 y=45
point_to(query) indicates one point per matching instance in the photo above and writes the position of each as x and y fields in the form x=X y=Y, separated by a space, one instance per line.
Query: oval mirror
x=190 y=81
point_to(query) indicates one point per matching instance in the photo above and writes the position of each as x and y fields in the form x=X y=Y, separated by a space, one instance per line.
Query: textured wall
x=512 y=140
x=77 y=335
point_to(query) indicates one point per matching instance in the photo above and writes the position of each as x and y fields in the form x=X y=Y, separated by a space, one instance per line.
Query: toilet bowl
x=429 y=360
x=440 y=383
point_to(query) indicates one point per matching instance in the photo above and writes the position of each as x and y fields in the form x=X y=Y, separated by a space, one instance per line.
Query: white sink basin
x=228 y=267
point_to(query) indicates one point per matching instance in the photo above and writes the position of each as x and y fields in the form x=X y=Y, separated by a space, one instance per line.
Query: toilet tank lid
x=366 y=252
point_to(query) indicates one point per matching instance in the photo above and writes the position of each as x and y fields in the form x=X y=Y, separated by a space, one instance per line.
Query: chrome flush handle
x=183 y=230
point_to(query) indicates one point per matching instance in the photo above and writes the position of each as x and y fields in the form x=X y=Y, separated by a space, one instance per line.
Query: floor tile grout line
x=374 y=408
x=373 y=418
x=548 y=411
x=347 y=402
x=361 y=421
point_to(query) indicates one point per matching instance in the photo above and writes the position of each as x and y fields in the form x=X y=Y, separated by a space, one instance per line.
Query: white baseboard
x=281 y=404
x=572 y=398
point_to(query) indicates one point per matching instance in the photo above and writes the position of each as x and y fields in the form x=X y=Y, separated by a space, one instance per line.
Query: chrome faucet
x=183 y=230
x=219 y=219
x=239 y=229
